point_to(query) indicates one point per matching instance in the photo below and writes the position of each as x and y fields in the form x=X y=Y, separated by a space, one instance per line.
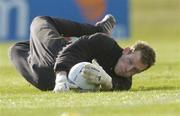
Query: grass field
x=155 y=92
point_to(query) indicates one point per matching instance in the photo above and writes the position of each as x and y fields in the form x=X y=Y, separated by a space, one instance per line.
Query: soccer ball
x=75 y=77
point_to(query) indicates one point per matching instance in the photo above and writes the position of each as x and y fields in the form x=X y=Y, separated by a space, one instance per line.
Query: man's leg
x=18 y=54
x=69 y=28
x=47 y=36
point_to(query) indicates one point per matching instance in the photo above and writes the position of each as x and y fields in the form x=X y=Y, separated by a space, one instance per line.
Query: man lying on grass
x=46 y=59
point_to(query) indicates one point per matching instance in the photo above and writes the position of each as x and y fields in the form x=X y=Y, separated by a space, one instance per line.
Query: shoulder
x=102 y=39
x=122 y=83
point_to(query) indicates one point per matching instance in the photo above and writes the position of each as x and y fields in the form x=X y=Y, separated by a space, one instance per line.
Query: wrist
x=60 y=78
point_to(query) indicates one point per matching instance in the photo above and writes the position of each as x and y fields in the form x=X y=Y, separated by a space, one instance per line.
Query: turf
x=155 y=92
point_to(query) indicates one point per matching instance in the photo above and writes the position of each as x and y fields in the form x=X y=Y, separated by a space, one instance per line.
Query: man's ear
x=127 y=50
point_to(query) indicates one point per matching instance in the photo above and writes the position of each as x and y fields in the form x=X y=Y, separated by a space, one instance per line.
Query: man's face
x=129 y=63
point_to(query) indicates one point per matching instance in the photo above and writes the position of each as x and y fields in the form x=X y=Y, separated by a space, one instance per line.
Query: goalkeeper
x=45 y=60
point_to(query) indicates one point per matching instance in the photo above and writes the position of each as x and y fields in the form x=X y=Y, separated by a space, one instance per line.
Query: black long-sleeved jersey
x=98 y=46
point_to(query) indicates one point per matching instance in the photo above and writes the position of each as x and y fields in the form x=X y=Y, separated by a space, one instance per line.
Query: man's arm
x=61 y=83
x=82 y=50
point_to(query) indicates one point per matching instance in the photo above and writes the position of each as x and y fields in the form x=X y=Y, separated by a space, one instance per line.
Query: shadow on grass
x=155 y=88
x=142 y=88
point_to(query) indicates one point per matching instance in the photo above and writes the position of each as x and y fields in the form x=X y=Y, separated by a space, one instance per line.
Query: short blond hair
x=148 y=55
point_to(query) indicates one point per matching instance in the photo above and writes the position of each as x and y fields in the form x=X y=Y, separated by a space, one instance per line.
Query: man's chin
x=124 y=75
x=121 y=74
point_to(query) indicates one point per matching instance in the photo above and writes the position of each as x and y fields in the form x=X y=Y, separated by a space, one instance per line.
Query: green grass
x=155 y=92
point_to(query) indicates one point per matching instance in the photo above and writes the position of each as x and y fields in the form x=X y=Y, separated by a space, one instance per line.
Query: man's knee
x=39 y=23
x=12 y=52
x=17 y=50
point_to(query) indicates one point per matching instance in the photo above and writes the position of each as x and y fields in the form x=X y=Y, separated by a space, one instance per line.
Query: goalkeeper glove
x=94 y=73
x=61 y=84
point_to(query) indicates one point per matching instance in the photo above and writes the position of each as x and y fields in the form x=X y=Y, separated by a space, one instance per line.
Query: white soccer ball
x=75 y=77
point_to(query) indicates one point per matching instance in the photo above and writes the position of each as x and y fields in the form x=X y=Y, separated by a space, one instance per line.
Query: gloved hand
x=94 y=73
x=61 y=84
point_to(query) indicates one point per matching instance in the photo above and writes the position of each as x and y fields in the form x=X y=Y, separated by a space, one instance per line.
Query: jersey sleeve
x=122 y=83
x=83 y=50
